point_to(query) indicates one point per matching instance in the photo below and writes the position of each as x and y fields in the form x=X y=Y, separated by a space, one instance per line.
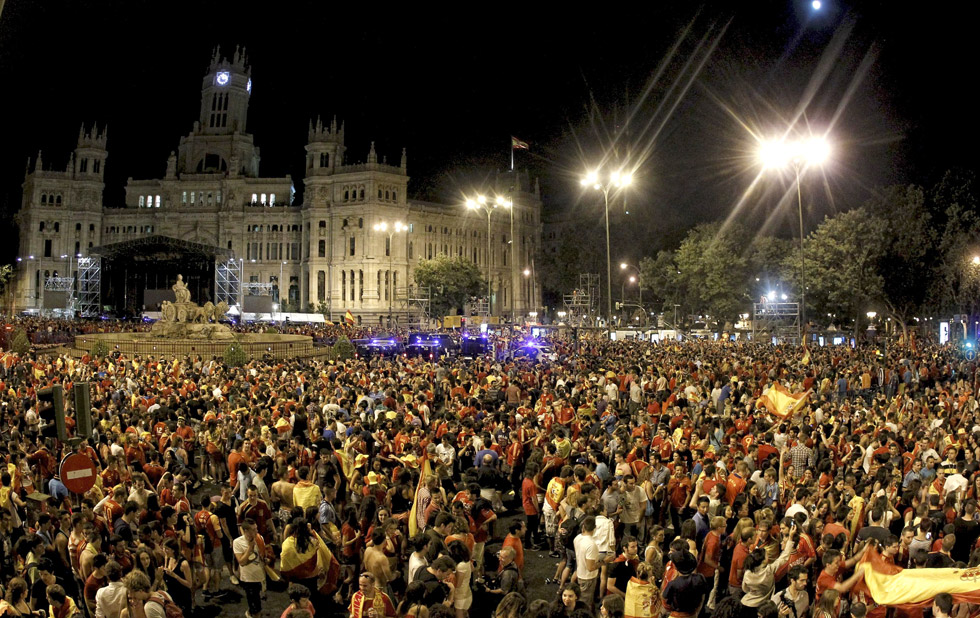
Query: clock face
x=222 y=78
x=248 y=85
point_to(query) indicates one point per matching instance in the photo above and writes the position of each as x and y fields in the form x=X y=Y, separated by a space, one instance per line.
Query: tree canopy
x=452 y=281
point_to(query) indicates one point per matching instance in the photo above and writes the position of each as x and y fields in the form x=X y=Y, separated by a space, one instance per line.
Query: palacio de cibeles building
x=244 y=239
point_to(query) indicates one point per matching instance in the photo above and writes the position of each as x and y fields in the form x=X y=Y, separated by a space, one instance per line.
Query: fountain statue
x=183 y=319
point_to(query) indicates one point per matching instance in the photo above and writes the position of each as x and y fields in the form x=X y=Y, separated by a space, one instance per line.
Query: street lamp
x=527 y=275
x=616 y=180
x=625 y=266
x=488 y=206
x=800 y=154
x=383 y=227
x=279 y=289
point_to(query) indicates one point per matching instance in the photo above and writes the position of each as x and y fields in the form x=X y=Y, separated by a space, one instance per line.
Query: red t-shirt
x=824 y=581
x=738 y=559
x=712 y=549
x=529 y=497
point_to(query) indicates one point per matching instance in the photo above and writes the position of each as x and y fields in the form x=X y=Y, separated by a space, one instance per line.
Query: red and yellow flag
x=517 y=144
x=782 y=403
x=643 y=599
x=888 y=584
x=349 y=318
x=413 y=525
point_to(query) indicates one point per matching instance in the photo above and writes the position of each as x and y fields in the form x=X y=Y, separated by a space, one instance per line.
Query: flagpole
x=512 y=154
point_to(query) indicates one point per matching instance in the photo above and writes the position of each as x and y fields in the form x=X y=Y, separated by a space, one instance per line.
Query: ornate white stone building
x=212 y=206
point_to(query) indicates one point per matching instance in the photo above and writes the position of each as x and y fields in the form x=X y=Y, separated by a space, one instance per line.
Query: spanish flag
x=782 y=403
x=806 y=358
x=517 y=144
x=888 y=584
x=643 y=599
x=413 y=525
x=317 y=561
x=349 y=318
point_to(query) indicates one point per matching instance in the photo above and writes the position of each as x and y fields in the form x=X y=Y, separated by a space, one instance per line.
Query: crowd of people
x=384 y=487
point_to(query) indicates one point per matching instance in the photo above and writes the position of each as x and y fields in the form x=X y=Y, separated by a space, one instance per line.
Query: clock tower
x=219 y=142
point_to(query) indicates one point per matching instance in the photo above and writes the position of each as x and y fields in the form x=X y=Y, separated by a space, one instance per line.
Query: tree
x=713 y=271
x=19 y=343
x=235 y=355
x=842 y=258
x=451 y=280
x=343 y=349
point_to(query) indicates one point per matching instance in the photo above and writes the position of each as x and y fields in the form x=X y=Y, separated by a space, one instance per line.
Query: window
x=360 y=290
x=263 y=199
x=394 y=196
x=346 y=194
x=78 y=227
x=379 y=285
x=57 y=226
x=352 y=285
x=360 y=221
x=157 y=202
x=40 y=226
x=193 y=194
x=321 y=283
x=321 y=250
x=96 y=166
x=47 y=247
x=142 y=201
x=387 y=246
x=83 y=166
x=183 y=198
x=255 y=198
x=272 y=199
x=78 y=247
x=343 y=285
x=353 y=245
x=322 y=227
x=91 y=228
x=218 y=199
x=379 y=194
x=411 y=250
x=324 y=162
x=362 y=193
x=387 y=195
x=44 y=198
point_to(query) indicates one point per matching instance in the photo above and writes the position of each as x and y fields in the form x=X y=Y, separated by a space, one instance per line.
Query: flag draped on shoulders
x=782 y=403
x=888 y=584
x=425 y=470
x=642 y=599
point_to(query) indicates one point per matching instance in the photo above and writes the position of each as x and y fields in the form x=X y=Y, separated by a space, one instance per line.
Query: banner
x=413 y=525
x=891 y=585
x=782 y=403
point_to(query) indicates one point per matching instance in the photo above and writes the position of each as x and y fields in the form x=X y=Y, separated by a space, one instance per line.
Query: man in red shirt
x=710 y=562
x=833 y=567
x=742 y=550
x=529 y=500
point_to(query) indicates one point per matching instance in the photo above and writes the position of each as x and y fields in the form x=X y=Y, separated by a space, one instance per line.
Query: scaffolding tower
x=62 y=285
x=776 y=321
x=228 y=282
x=417 y=306
x=582 y=304
x=89 y=286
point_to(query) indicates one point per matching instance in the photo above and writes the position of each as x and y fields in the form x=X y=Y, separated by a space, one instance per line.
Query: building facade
x=327 y=250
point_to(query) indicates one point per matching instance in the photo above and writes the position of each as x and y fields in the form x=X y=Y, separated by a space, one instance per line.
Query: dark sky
x=453 y=84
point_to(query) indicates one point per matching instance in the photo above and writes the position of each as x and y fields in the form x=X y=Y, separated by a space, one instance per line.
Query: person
x=299 y=599
x=942 y=605
x=587 y=561
x=623 y=568
x=111 y=599
x=794 y=597
x=513 y=540
x=685 y=594
x=249 y=551
x=141 y=599
x=418 y=560
x=513 y=605
x=463 y=599
x=14 y=603
x=436 y=579
x=569 y=602
x=369 y=601
x=759 y=578
x=413 y=605
x=177 y=576
x=61 y=605
x=642 y=593
x=827 y=604
x=511 y=579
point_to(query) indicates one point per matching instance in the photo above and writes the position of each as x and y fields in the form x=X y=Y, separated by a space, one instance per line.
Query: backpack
x=568 y=530
x=169 y=607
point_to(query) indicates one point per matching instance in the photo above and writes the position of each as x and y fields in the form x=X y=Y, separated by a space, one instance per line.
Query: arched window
x=272 y=199
x=344 y=223
x=379 y=193
x=362 y=193
x=387 y=195
x=44 y=198
x=255 y=198
x=321 y=249
x=394 y=196
x=142 y=201
x=157 y=201
x=343 y=285
x=346 y=195
x=360 y=220
x=411 y=250
x=263 y=199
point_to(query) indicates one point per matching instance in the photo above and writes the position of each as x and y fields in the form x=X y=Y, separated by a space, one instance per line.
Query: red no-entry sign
x=78 y=473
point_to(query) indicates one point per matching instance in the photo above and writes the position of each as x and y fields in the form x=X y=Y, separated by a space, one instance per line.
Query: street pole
x=513 y=266
x=799 y=201
x=605 y=196
x=391 y=275
x=489 y=283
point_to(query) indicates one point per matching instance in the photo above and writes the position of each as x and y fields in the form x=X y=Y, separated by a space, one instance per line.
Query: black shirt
x=622 y=571
x=435 y=591
x=966 y=536
x=937 y=560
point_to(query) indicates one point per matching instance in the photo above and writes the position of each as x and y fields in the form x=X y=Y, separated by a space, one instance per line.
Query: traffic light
x=82 y=394
x=51 y=411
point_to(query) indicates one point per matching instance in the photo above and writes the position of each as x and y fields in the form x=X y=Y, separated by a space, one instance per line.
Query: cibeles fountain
x=186 y=328
x=183 y=319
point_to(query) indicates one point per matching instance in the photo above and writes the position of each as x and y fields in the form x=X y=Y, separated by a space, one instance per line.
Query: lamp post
x=616 y=180
x=527 y=274
x=488 y=206
x=396 y=228
x=639 y=284
x=800 y=154
x=279 y=289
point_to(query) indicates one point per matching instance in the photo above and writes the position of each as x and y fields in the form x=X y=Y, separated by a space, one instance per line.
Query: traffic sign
x=78 y=473
x=971 y=354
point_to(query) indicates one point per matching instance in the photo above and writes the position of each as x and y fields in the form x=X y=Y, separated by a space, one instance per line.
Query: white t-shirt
x=253 y=571
x=586 y=549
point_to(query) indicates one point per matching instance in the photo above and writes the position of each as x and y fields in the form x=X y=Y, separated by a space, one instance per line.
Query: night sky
x=452 y=85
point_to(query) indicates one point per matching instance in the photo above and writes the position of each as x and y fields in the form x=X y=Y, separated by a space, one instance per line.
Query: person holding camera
x=793 y=601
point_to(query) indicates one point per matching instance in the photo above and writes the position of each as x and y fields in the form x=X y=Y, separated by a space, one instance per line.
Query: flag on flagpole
x=806 y=357
x=349 y=318
x=517 y=144
x=782 y=403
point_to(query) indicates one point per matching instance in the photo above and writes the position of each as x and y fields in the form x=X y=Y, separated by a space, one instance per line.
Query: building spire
x=372 y=155
x=404 y=163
